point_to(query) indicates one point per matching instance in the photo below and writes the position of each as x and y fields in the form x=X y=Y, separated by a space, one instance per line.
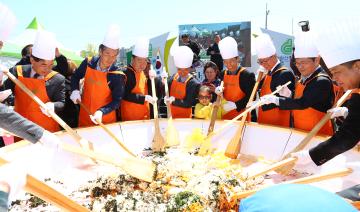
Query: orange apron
x=133 y=111
x=27 y=107
x=178 y=90
x=96 y=94
x=338 y=91
x=274 y=116
x=233 y=93
x=306 y=119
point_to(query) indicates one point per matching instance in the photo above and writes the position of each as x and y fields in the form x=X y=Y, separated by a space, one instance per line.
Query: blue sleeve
x=116 y=84
x=4 y=196
x=78 y=75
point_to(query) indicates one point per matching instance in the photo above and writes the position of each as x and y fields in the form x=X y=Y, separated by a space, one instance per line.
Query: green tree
x=90 y=51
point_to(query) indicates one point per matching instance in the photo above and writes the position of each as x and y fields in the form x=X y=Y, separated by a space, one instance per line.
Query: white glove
x=303 y=157
x=49 y=107
x=285 y=91
x=263 y=70
x=4 y=94
x=304 y=162
x=250 y=104
x=164 y=74
x=150 y=99
x=219 y=90
x=75 y=96
x=2 y=69
x=49 y=140
x=96 y=117
x=338 y=112
x=1 y=75
x=169 y=100
x=13 y=174
x=229 y=106
x=269 y=99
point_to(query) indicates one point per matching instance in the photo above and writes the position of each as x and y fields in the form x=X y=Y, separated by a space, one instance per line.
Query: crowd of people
x=112 y=94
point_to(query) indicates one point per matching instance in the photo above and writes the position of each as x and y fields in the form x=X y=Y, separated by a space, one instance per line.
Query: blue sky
x=78 y=22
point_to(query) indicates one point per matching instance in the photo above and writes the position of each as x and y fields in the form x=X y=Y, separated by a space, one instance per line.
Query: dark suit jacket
x=344 y=139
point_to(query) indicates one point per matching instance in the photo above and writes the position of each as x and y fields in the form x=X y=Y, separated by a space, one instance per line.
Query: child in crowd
x=203 y=109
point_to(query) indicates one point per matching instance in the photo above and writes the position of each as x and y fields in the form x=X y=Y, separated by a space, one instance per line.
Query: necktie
x=36 y=75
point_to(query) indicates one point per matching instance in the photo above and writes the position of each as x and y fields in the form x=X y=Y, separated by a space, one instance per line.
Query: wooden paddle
x=317 y=127
x=111 y=134
x=234 y=146
x=172 y=135
x=48 y=194
x=206 y=145
x=141 y=169
x=158 y=144
x=305 y=180
x=255 y=105
x=273 y=167
x=83 y=142
x=215 y=111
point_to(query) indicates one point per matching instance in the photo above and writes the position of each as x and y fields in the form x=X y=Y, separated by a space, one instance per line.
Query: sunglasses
x=204 y=97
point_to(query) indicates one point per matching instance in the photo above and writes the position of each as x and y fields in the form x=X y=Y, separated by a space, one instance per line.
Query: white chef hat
x=111 y=39
x=183 y=57
x=44 y=45
x=228 y=48
x=264 y=46
x=305 y=45
x=141 y=48
x=339 y=43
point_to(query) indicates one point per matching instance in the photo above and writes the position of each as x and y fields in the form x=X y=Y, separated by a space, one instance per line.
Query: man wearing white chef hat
x=238 y=81
x=103 y=84
x=339 y=46
x=276 y=74
x=314 y=93
x=183 y=87
x=39 y=77
x=135 y=105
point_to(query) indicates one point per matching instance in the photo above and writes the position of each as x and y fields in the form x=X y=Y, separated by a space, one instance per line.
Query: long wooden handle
x=215 y=111
x=139 y=168
x=72 y=132
x=234 y=146
x=273 y=167
x=257 y=104
x=106 y=129
x=318 y=126
x=168 y=106
x=155 y=109
x=159 y=141
x=48 y=194
x=304 y=180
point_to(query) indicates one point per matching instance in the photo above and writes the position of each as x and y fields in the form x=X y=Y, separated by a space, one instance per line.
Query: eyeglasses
x=204 y=97
x=262 y=61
